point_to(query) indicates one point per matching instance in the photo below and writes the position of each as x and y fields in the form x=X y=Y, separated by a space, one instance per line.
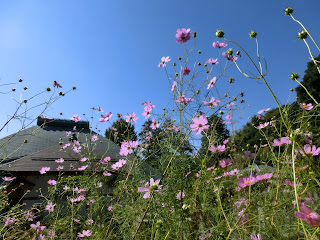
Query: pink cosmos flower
x=107 y=174
x=37 y=227
x=153 y=186
x=230 y=104
x=29 y=216
x=84 y=233
x=247 y=181
x=60 y=160
x=173 y=86
x=263 y=110
x=154 y=125
x=212 y=82
x=50 y=207
x=263 y=125
x=199 y=124
x=68 y=133
x=44 y=170
x=83 y=168
x=218 y=44
x=249 y=154
x=7 y=179
x=56 y=84
x=89 y=222
x=118 y=164
x=75 y=118
x=212 y=102
x=283 y=141
x=212 y=61
x=307 y=107
x=255 y=236
x=127 y=147
x=220 y=148
x=163 y=62
x=314 y=151
x=183 y=99
x=131 y=117
x=146 y=111
x=225 y=141
x=52 y=182
x=105 y=117
x=225 y=162
x=59 y=168
x=229 y=57
x=312 y=218
x=185 y=71
x=94 y=138
x=229 y=116
x=182 y=35
x=106 y=160
x=264 y=176
x=180 y=195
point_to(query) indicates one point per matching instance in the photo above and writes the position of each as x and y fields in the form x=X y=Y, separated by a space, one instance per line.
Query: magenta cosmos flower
x=44 y=170
x=85 y=233
x=219 y=148
x=212 y=82
x=50 y=207
x=314 y=151
x=212 y=102
x=52 y=182
x=263 y=125
x=212 y=61
x=75 y=118
x=199 y=124
x=218 y=44
x=307 y=107
x=230 y=57
x=163 y=62
x=283 y=141
x=185 y=71
x=105 y=117
x=312 y=218
x=183 y=99
x=182 y=35
x=37 y=227
x=173 y=86
x=131 y=117
x=247 y=181
x=153 y=186
x=7 y=179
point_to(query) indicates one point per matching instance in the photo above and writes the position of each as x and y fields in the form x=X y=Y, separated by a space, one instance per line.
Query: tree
x=120 y=131
x=311 y=80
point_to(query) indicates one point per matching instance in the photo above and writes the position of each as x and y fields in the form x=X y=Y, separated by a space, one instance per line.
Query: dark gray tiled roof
x=43 y=145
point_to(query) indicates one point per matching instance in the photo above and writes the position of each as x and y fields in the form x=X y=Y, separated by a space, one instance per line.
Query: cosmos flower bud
x=179 y=58
x=176 y=74
x=225 y=95
x=74 y=88
x=207 y=71
x=294 y=76
x=61 y=93
x=25 y=88
x=60 y=113
x=194 y=34
x=253 y=34
x=231 y=80
x=174 y=64
x=163 y=109
x=238 y=52
x=25 y=141
x=241 y=100
x=25 y=101
x=20 y=80
x=13 y=89
x=198 y=91
x=302 y=35
x=291 y=89
x=234 y=99
x=219 y=34
x=221 y=112
x=199 y=52
x=288 y=11
x=205 y=65
x=230 y=51
x=199 y=63
x=241 y=94
x=48 y=89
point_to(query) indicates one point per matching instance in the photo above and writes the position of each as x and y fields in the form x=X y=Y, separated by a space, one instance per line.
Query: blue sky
x=110 y=50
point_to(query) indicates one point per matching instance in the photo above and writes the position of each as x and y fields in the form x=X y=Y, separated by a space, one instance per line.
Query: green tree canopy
x=120 y=131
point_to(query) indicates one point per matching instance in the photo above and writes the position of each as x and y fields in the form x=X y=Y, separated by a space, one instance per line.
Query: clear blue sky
x=110 y=49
